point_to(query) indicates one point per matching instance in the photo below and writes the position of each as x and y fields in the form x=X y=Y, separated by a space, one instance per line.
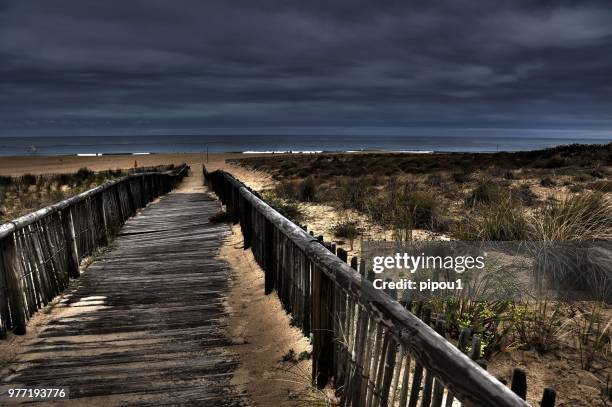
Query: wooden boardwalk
x=145 y=324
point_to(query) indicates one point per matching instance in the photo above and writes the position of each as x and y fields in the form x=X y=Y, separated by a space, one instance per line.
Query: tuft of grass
x=286 y=207
x=593 y=335
x=585 y=217
x=582 y=217
x=425 y=209
x=601 y=186
x=485 y=192
x=503 y=220
x=539 y=327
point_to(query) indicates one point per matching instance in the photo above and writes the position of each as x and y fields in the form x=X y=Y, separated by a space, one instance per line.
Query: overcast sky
x=182 y=66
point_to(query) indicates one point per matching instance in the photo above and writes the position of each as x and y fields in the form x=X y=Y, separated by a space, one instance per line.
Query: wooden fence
x=374 y=351
x=41 y=251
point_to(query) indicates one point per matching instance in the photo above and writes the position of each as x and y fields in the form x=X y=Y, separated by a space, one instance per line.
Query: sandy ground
x=68 y=164
x=263 y=337
x=574 y=387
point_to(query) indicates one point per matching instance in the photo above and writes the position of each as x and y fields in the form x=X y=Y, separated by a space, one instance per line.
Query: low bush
x=539 y=327
x=304 y=190
x=547 y=182
x=553 y=162
x=352 y=193
x=346 y=229
x=424 y=208
x=84 y=174
x=286 y=207
x=28 y=179
x=5 y=181
x=484 y=192
x=462 y=177
x=524 y=195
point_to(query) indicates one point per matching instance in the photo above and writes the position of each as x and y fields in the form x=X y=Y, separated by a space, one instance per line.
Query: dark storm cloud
x=195 y=65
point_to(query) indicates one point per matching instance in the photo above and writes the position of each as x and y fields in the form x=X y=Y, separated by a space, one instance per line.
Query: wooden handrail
x=10 y=227
x=362 y=338
x=41 y=251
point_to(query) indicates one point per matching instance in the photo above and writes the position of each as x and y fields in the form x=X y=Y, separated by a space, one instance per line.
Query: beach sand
x=68 y=164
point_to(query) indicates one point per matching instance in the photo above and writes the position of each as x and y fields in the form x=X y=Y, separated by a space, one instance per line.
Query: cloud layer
x=188 y=66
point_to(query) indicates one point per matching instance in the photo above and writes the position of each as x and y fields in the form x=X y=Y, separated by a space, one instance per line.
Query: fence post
x=4 y=298
x=548 y=398
x=322 y=328
x=117 y=195
x=105 y=233
x=14 y=284
x=519 y=383
x=71 y=244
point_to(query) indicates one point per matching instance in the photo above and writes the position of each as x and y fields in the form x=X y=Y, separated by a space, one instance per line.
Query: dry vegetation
x=27 y=193
x=558 y=194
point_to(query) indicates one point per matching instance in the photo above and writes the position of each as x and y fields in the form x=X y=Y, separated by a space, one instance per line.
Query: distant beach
x=257 y=144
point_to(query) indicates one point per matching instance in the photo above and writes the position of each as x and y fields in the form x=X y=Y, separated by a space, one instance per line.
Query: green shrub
x=286 y=207
x=304 y=190
x=538 y=327
x=346 y=228
x=83 y=174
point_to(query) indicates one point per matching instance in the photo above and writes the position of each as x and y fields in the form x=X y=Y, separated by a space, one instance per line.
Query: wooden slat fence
x=373 y=351
x=41 y=251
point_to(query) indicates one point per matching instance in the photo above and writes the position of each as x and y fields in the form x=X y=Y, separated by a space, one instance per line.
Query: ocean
x=43 y=146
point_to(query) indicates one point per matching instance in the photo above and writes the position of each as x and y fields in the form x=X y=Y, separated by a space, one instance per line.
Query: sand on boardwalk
x=263 y=337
